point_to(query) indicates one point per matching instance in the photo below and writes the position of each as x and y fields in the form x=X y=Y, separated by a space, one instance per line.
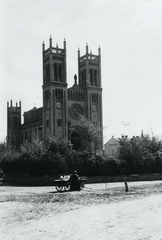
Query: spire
x=43 y=46
x=64 y=43
x=141 y=133
x=78 y=53
x=75 y=79
x=50 y=41
x=86 y=48
x=99 y=50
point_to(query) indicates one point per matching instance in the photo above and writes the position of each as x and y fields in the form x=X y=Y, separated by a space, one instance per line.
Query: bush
x=137 y=155
x=141 y=155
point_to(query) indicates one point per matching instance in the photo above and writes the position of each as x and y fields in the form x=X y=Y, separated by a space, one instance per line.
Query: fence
x=47 y=180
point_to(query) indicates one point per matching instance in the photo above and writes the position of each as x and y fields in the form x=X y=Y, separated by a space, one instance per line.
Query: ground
x=97 y=212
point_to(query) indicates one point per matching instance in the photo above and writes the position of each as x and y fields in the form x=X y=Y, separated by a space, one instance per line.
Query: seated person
x=74 y=182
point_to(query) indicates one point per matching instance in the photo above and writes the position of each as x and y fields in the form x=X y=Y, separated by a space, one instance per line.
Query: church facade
x=58 y=116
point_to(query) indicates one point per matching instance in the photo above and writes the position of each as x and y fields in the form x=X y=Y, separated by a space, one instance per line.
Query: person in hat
x=74 y=182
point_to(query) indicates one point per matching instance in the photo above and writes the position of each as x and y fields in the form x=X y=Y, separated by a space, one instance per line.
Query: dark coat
x=74 y=182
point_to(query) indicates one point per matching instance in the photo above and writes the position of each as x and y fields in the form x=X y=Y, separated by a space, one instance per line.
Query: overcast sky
x=129 y=33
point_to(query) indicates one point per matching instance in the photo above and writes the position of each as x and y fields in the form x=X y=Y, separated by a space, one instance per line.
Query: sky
x=130 y=36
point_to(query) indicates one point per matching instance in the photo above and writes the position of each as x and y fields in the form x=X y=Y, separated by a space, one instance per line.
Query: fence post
x=126 y=187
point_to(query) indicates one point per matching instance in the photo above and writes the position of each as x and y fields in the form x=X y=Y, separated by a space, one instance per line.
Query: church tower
x=59 y=115
x=54 y=91
x=13 y=124
x=89 y=74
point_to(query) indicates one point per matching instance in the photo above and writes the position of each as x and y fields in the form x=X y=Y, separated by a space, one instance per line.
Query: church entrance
x=76 y=140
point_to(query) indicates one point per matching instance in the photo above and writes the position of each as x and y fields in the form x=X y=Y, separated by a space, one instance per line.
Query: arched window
x=47 y=73
x=91 y=77
x=60 y=72
x=95 y=78
x=83 y=77
x=58 y=105
x=55 y=72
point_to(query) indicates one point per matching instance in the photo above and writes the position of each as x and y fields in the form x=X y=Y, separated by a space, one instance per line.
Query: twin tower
x=58 y=116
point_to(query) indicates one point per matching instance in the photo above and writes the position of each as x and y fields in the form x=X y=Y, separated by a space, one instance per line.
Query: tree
x=57 y=145
x=2 y=147
x=2 y=150
x=140 y=154
x=90 y=134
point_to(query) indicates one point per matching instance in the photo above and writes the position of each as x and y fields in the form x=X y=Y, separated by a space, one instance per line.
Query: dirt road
x=41 y=214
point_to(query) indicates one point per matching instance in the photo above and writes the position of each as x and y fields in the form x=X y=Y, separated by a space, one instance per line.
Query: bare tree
x=91 y=133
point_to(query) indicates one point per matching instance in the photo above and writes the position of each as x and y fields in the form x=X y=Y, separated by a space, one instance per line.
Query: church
x=58 y=116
